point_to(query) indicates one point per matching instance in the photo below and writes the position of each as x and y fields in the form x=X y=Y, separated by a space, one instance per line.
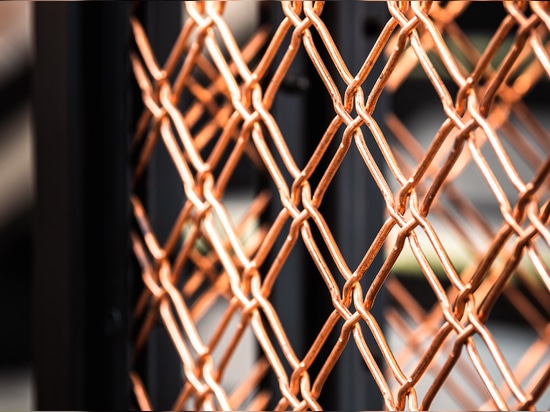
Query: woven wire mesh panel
x=467 y=208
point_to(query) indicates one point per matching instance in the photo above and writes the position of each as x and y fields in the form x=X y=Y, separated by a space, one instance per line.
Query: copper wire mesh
x=488 y=136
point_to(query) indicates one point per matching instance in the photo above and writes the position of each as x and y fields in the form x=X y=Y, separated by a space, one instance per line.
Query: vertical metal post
x=296 y=280
x=160 y=365
x=360 y=205
x=80 y=343
x=354 y=208
x=290 y=108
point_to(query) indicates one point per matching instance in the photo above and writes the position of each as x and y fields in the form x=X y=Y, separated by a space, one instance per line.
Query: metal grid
x=487 y=136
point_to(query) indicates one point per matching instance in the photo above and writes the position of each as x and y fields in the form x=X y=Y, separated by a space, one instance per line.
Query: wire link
x=486 y=130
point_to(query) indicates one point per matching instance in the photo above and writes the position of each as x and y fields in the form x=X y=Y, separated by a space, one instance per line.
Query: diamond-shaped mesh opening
x=353 y=228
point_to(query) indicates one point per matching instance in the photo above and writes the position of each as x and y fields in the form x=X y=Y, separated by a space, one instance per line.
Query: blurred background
x=16 y=203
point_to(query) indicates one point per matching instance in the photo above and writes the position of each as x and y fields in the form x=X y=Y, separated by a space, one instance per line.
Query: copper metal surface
x=486 y=125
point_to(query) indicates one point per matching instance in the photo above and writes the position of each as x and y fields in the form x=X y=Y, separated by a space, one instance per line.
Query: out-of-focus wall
x=16 y=190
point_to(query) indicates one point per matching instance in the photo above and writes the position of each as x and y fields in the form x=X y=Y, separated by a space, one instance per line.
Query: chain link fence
x=459 y=160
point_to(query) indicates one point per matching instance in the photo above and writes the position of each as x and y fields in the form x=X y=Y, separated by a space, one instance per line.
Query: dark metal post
x=290 y=293
x=360 y=207
x=353 y=207
x=159 y=365
x=80 y=353
x=291 y=108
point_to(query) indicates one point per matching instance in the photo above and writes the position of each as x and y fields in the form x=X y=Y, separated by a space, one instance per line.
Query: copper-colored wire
x=485 y=126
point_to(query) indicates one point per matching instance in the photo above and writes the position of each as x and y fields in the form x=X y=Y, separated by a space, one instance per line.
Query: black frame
x=80 y=285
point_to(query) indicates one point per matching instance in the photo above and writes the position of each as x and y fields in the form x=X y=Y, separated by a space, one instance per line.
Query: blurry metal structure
x=302 y=259
x=81 y=223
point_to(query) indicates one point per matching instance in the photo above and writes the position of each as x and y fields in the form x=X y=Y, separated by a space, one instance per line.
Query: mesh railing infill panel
x=487 y=135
